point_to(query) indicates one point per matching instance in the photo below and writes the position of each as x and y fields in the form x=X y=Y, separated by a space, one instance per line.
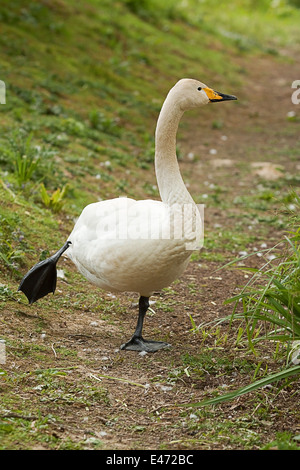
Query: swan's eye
x=199 y=88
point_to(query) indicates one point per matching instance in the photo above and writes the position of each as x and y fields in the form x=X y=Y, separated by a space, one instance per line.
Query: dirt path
x=132 y=407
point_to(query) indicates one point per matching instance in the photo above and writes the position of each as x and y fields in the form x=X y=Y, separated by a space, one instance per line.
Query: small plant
x=12 y=246
x=25 y=160
x=73 y=127
x=55 y=201
x=103 y=123
x=284 y=441
x=25 y=166
x=6 y=293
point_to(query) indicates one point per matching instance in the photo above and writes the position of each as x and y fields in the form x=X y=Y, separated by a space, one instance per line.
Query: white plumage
x=127 y=245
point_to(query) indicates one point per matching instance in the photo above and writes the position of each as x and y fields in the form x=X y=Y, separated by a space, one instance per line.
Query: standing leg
x=137 y=342
x=143 y=307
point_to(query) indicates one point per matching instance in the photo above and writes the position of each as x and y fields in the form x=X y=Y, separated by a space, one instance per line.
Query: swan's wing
x=120 y=219
x=117 y=223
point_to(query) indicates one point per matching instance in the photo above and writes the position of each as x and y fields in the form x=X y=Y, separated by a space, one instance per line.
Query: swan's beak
x=215 y=96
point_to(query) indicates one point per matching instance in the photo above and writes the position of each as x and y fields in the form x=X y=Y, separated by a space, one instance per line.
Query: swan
x=124 y=245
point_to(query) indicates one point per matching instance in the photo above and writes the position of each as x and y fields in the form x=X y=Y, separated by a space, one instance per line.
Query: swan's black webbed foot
x=137 y=342
x=141 y=344
x=41 y=279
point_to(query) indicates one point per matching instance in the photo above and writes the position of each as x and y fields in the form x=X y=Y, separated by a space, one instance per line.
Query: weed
x=272 y=294
x=24 y=160
x=283 y=441
x=6 y=293
x=217 y=365
x=24 y=168
x=56 y=201
x=12 y=244
x=271 y=299
x=74 y=127
x=103 y=123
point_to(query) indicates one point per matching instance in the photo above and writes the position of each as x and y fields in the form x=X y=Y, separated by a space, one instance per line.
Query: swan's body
x=142 y=246
x=118 y=245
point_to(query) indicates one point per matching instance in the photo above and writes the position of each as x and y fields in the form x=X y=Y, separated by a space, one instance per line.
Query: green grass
x=53 y=387
x=272 y=293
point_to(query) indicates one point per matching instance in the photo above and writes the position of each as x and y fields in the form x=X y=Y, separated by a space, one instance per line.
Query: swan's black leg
x=137 y=342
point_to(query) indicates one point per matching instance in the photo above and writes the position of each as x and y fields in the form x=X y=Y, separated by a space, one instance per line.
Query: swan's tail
x=41 y=279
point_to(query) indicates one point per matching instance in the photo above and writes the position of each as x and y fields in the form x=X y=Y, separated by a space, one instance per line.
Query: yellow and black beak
x=215 y=96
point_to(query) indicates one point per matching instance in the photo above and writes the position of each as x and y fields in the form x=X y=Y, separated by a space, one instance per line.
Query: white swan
x=137 y=246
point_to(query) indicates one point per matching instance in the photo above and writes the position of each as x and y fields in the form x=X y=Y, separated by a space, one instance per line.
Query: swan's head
x=190 y=93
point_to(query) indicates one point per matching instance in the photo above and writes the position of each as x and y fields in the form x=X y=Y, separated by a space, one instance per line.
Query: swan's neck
x=171 y=186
